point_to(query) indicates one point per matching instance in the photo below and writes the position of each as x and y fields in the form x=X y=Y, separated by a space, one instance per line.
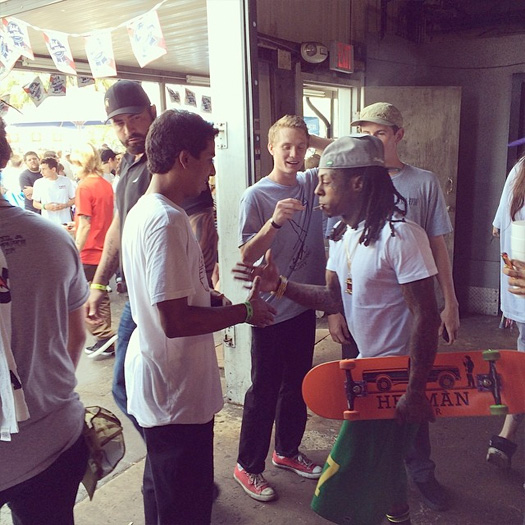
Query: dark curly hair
x=381 y=201
x=175 y=131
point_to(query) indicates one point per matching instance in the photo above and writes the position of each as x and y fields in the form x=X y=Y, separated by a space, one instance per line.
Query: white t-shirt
x=512 y=306
x=167 y=380
x=376 y=312
x=59 y=191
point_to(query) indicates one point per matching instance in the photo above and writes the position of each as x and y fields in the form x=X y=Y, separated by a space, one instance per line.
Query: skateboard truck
x=353 y=389
x=491 y=382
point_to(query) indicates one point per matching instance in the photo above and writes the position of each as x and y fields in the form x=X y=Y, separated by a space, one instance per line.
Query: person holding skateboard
x=381 y=275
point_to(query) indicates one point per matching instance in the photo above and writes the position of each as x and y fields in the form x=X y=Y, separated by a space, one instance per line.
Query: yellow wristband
x=95 y=286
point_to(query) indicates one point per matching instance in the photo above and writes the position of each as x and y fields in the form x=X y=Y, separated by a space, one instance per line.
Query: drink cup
x=517 y=240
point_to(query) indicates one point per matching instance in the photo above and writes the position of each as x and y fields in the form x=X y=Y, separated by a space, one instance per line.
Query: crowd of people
x=148 y=217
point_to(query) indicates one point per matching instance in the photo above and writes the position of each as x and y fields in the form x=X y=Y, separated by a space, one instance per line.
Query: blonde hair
x=288 y=121
x=87 y=157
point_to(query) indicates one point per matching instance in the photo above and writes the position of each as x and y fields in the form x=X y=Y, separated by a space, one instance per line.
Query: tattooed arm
x=420 y=299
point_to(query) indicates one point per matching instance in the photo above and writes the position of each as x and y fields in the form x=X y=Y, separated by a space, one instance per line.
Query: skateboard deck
x=468 y=383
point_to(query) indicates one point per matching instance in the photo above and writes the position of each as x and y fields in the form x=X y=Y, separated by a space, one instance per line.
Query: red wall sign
x=342 y=57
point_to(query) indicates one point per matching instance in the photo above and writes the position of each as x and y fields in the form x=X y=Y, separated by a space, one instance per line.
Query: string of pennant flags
x=146 y=39
x=144 y=31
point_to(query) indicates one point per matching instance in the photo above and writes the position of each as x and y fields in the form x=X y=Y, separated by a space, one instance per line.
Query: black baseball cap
x=125 y=96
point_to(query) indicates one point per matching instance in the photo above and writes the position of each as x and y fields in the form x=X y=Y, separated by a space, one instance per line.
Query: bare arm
x=76 y=334
x=84 y=227
x=108 y=265
x=450 y=314
x=257 y=246
x=420 y=299
x=319 y=143
x=337 y=325
x=178 y=319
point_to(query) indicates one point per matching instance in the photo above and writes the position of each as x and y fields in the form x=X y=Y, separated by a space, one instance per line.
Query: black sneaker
x=103 y=348
x=433 y=494
x=500 y=451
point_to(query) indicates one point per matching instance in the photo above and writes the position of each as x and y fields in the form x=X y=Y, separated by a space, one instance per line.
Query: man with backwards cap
x=382 y=259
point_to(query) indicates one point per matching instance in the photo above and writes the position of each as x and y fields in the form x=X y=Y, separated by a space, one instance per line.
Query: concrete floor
x=481 y=495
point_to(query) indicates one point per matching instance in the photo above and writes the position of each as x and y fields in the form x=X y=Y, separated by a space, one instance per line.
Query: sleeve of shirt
x=250 y=217
x=168 y=274
x=502 y=218
x=438 y=220
x=37 y=191
x=410 y=255
x=83 y=202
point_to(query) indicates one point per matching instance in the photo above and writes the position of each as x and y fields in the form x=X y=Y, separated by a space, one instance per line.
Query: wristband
x=95 y=286
x=43 y=206
x=275 y=225
x=249 y=311
x=281 y=288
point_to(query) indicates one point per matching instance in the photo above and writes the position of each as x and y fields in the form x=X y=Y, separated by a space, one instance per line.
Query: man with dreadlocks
x=381 y=272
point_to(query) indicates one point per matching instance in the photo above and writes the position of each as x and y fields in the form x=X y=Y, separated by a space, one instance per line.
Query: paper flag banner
x=36 y=91
x=85 y=81
x=8 y=53
x=190 y=99
x=17 y=30
x=147 y=40
x=99 y=52
x=58 y=47
x=206 y=104
x=174 y=95
x=57 y=86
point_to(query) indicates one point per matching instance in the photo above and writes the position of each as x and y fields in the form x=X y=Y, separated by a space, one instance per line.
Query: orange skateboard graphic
x=470 y=383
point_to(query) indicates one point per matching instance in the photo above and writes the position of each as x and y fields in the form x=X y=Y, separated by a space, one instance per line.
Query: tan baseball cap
x=380 y=113
x=354 y=151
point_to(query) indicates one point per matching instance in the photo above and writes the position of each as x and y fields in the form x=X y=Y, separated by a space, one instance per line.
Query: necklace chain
x=349 y=257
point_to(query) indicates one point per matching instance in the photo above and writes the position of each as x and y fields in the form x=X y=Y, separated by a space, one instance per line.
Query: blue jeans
x=49 y=497
x=125 y=329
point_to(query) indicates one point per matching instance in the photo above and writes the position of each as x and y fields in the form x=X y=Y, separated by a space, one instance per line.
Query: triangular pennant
x=147 y=40
x=99 y=51
x=8 y=53
x=17 y=30
x=57 y=86
x=58 y=47
x=36 y=91
x=190 y=99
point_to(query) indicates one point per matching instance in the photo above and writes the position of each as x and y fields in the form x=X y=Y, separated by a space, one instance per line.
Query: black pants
x=178 y=475
x=49 y=497
x=281 y=357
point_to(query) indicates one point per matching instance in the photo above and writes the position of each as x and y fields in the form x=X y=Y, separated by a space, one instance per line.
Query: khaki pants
x=104 y=330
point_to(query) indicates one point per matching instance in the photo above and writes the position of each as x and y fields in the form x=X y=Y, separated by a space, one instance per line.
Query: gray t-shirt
x=46 y=282
x=426 y=203
x=298 y=247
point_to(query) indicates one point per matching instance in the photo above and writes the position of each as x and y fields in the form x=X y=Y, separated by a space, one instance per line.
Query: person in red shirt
x=94 y=213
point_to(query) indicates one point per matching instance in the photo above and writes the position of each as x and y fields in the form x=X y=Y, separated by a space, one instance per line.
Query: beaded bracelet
x=249 y=311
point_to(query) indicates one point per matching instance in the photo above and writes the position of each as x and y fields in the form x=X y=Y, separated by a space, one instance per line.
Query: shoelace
x=257 y=480
x=303 y=460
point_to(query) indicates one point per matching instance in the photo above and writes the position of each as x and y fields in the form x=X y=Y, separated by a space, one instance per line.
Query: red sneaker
x=300 y=464
x=254 y=484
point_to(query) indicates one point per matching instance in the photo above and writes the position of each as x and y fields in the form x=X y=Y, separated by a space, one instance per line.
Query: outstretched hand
x=263 y=313
x=268 y=273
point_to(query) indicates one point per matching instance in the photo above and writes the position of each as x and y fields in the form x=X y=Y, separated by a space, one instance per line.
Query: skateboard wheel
x=491 y=355
x=351 y=415
x=347 y=364
x=499 y=410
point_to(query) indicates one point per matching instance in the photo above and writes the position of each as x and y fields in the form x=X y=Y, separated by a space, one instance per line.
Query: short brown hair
x=288 y=121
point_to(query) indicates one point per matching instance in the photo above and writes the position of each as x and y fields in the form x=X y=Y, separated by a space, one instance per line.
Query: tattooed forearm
x=315 y=297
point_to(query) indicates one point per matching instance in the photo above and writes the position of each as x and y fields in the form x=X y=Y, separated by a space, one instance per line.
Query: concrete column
x=229 y=34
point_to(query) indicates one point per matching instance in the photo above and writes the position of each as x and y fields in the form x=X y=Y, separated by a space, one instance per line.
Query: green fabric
x=364 y=474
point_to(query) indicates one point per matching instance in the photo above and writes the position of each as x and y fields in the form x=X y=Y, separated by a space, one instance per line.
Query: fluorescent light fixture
x=47 y=64
x=198 y=81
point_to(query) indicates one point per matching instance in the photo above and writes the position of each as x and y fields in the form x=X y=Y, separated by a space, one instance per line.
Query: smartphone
x=506 y=260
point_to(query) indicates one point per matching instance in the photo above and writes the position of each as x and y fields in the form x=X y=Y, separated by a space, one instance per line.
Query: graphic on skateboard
x=470 y=383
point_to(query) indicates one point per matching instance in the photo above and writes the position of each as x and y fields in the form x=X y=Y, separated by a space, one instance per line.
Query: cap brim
x=130 y=110
x=518 y=142
x=381 y=121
